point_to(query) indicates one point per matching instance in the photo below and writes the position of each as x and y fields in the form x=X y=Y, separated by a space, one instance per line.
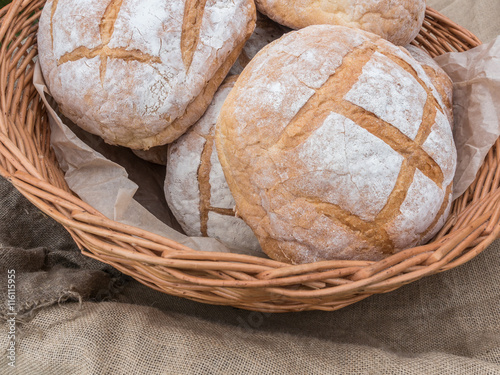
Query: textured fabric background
x=482 y=17
x=443 y=324
x=42 y=253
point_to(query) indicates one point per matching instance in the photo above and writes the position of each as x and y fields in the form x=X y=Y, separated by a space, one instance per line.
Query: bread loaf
x=398 y=21
x=139 y=73
x=335 y=145
x=441 y=81
x=195 y=188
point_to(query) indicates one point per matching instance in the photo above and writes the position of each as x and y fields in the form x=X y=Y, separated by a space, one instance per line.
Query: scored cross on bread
x=139 y=73
x=106 y=28
x=335 y=145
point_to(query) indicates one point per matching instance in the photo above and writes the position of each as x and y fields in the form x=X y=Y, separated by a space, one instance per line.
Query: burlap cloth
x=79 y=316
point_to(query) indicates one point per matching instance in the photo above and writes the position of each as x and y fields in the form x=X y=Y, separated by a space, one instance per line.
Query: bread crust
x=156 y=155
x=438 y=77
x=398 y=21
x=195 y=186
x=138 y=74
x=335 y=145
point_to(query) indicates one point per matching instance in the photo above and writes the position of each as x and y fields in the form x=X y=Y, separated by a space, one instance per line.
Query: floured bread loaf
x=335 y=145
x=157 y=155
x=266 y=31
x=398 y=21
x=139 y=73
x=195 y=188
x=441 y=81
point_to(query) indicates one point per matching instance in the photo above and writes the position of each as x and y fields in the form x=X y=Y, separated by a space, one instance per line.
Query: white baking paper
x=476 y=107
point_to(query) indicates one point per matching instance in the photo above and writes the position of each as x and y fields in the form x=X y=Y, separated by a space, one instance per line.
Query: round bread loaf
x=195 y=188
x=139 y=73
x=398 y=21
x=335 y=145
x=441 y=81
x=266 y=31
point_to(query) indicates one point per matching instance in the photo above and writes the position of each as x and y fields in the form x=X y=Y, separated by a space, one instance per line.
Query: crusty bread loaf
x=398 y=21
x=139 y=73
x=195 y=188
x=266 y=31
x=438 y=77
x=335 y=145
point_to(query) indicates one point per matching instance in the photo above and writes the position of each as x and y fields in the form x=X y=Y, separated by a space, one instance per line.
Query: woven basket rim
x=238 y=280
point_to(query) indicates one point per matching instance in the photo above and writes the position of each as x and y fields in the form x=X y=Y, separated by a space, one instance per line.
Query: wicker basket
x=253 y=283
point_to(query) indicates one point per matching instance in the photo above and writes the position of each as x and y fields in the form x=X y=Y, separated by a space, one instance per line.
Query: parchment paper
x=476 y=107
x=105 y=185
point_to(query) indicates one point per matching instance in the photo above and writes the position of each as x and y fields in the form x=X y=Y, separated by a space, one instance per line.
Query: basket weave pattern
x=253 y=283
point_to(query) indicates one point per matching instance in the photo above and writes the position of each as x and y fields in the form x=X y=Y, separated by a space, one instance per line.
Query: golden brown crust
x=397 y=21
x=441 y=81
x=447 y=198
x=205 y=187
x=135 y=79
x=156 y=155
x=107 y=25
x=52 y=11
x=104 y=52
x=195 y=109
x=195 y=187
x=106 y=28
x=265 y=158
x=330 y=97
x=191 y=25
x=204 y=170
